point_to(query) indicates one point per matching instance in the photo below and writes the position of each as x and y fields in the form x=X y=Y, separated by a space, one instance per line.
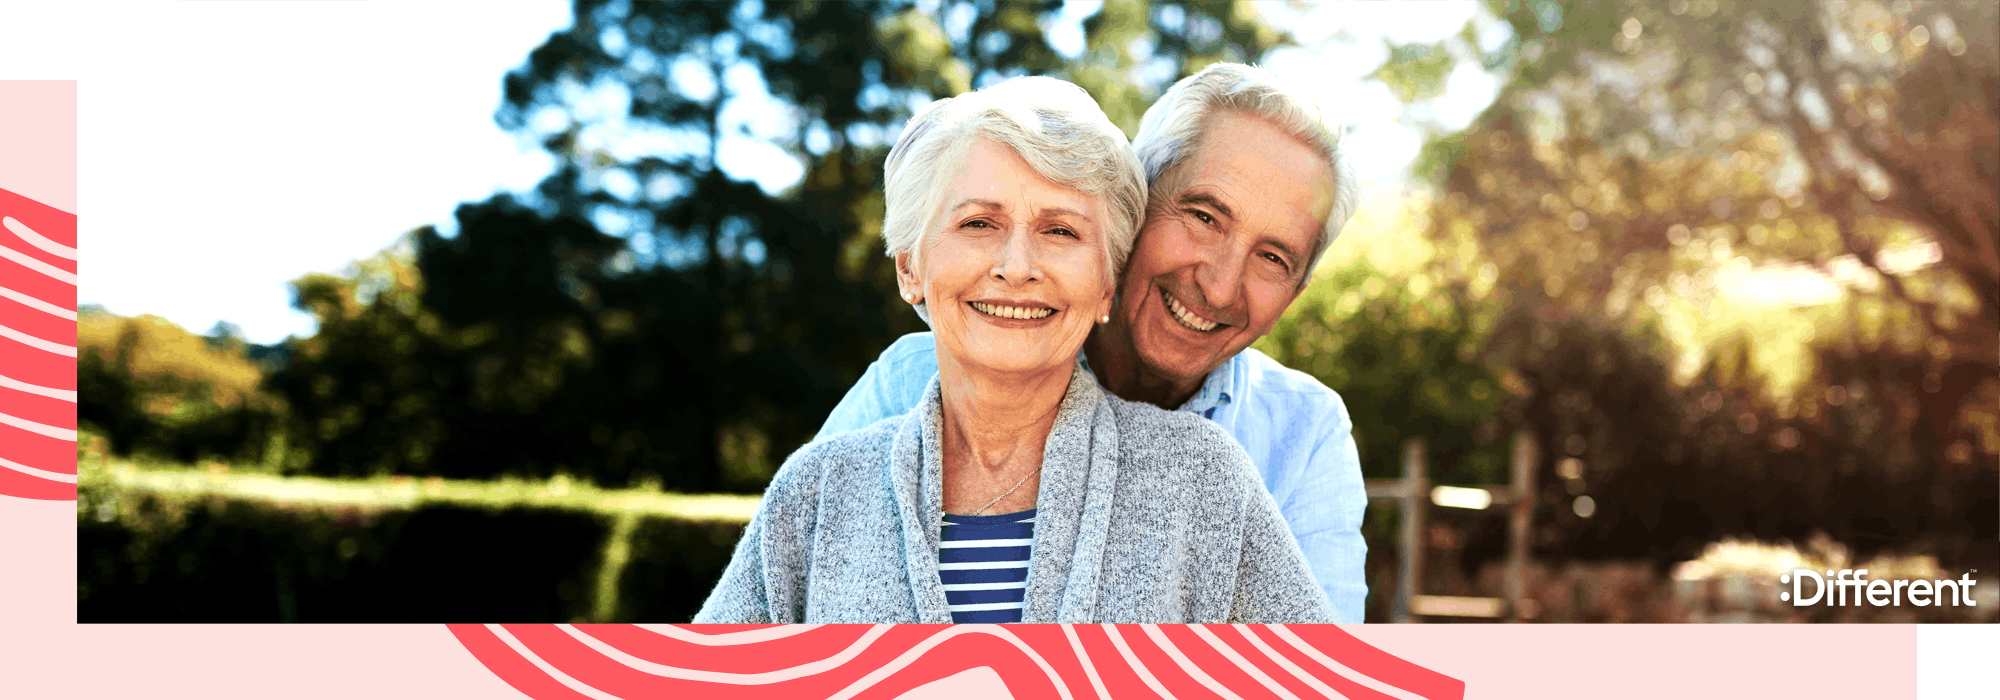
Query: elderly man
x=1247 y=191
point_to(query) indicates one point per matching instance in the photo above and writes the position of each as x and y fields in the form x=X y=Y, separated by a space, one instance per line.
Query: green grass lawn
x=406 y=492
x=96 y=471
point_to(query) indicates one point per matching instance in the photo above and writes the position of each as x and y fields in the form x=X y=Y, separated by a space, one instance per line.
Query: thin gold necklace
x=1017 y=486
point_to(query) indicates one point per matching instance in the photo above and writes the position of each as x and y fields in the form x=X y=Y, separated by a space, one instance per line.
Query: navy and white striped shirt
x=983 y=560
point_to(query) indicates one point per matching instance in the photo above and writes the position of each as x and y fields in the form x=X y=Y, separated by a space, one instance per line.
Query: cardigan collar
x=1073 y=505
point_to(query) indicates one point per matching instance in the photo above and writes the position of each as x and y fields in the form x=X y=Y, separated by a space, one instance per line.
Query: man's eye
x=1273 y=257
x=1203 y=216
x=977 y=222
x=1063 y=232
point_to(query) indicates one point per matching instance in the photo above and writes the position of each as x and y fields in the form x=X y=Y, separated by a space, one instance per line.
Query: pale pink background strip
x=1686 y=662
x=42 y=168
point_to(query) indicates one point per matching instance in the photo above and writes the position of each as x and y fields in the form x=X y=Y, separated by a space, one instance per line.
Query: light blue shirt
x=1295 y=429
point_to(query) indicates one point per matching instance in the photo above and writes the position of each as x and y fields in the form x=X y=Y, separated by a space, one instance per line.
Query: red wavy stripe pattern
x=37 y=429
x=962 y=662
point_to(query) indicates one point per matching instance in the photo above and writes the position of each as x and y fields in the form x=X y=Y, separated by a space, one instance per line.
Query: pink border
x=1661 y=661
x=38 y=267
x=41 y=168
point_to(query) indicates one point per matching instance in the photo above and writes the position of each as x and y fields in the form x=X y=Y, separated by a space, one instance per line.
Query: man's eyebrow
x=1282 y=247
x=1208 y=199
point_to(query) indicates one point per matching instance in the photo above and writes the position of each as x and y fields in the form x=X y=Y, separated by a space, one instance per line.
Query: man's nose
x=1220 y=275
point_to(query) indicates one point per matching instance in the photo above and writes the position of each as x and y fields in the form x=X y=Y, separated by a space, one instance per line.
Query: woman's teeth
x=1023 y=313
x=1186 y=317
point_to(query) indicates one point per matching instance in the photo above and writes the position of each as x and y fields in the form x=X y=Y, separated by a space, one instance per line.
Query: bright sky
x=226 y=149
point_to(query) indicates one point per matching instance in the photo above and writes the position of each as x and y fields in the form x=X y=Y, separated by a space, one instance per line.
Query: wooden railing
x=1413 y=494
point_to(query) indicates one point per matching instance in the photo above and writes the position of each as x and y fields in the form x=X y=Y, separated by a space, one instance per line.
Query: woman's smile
x=1013 y=251
x=1024 y=314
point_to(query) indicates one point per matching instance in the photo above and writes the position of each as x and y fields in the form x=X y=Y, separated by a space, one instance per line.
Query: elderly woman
x=1018 y=490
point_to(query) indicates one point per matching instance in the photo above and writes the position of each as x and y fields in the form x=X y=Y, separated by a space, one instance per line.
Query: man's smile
x=1187 y=318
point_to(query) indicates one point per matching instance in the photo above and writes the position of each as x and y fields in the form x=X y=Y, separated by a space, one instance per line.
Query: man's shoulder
x=910 y=345
x=1287 y=390
x=893 y=383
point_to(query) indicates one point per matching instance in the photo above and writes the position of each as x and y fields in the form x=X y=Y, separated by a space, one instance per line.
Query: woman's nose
x=1016 y=263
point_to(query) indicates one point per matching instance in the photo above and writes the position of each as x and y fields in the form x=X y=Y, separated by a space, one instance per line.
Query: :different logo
x=1833 y=589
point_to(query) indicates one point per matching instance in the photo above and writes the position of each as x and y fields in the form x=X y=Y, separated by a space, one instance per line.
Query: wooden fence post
x=1520 y=525
x=1416 y=492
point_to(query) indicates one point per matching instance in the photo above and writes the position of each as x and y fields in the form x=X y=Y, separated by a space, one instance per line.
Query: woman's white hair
x=1172 y=130
x=1055 y=126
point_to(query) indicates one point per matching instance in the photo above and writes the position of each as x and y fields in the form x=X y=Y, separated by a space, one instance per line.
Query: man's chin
x=1179 y=365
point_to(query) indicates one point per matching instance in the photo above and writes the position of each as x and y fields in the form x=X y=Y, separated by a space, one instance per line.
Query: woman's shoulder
x=1148 y=434
x=863 y=443
x=1145 y=417
x=836 y=453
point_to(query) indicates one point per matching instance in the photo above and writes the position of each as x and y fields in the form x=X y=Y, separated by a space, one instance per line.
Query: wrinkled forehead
x=996 y=174
x=1260 y=175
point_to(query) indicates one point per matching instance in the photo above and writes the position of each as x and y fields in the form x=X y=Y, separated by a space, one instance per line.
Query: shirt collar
x=1216 y=391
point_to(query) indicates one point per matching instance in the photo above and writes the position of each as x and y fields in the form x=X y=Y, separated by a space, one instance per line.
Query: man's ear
x=907 y=284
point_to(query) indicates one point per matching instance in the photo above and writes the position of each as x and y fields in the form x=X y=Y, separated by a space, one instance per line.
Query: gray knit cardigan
x=1144 y=515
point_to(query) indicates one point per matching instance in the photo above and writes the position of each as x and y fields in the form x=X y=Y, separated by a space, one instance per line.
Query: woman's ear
x=1109 y=304
x=907 y=283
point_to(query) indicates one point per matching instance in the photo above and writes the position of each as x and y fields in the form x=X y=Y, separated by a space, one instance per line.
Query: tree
x=153 y=388
x=1643 y=157
x=668 y=304
x=376 y=390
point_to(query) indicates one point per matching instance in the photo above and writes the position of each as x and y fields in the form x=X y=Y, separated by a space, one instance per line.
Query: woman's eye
x=976 y=222
x=1063 y=232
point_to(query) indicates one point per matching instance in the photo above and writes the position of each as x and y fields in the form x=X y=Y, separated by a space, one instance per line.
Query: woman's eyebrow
x=1065 y=211
x=991 y=205
x=986 y=204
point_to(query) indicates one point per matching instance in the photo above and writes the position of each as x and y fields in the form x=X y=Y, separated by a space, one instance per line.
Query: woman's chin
x=1015 y=358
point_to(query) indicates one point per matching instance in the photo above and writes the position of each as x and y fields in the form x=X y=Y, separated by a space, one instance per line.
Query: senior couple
x=1084 y=435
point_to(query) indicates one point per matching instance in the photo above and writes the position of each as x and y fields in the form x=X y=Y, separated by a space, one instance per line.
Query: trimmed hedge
x=148 y=557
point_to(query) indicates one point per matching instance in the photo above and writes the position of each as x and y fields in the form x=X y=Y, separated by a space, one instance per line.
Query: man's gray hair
x=1172 y=130
x=1055 y=126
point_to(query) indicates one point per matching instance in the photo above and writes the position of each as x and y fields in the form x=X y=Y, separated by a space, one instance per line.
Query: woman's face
x=1017 y=269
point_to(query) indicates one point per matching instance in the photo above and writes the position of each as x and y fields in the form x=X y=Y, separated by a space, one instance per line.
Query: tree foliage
x=1649 y=165
x=667 y=306
x=148 y=386
x=1403 y=362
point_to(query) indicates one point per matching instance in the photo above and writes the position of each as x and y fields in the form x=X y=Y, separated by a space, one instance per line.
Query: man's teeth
x=1186 y=317
x=1012 y=311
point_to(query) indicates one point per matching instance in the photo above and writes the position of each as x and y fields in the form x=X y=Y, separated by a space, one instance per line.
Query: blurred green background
x=1732 y=264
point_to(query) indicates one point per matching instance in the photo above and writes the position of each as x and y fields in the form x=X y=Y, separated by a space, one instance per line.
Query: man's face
x=1224 y=246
